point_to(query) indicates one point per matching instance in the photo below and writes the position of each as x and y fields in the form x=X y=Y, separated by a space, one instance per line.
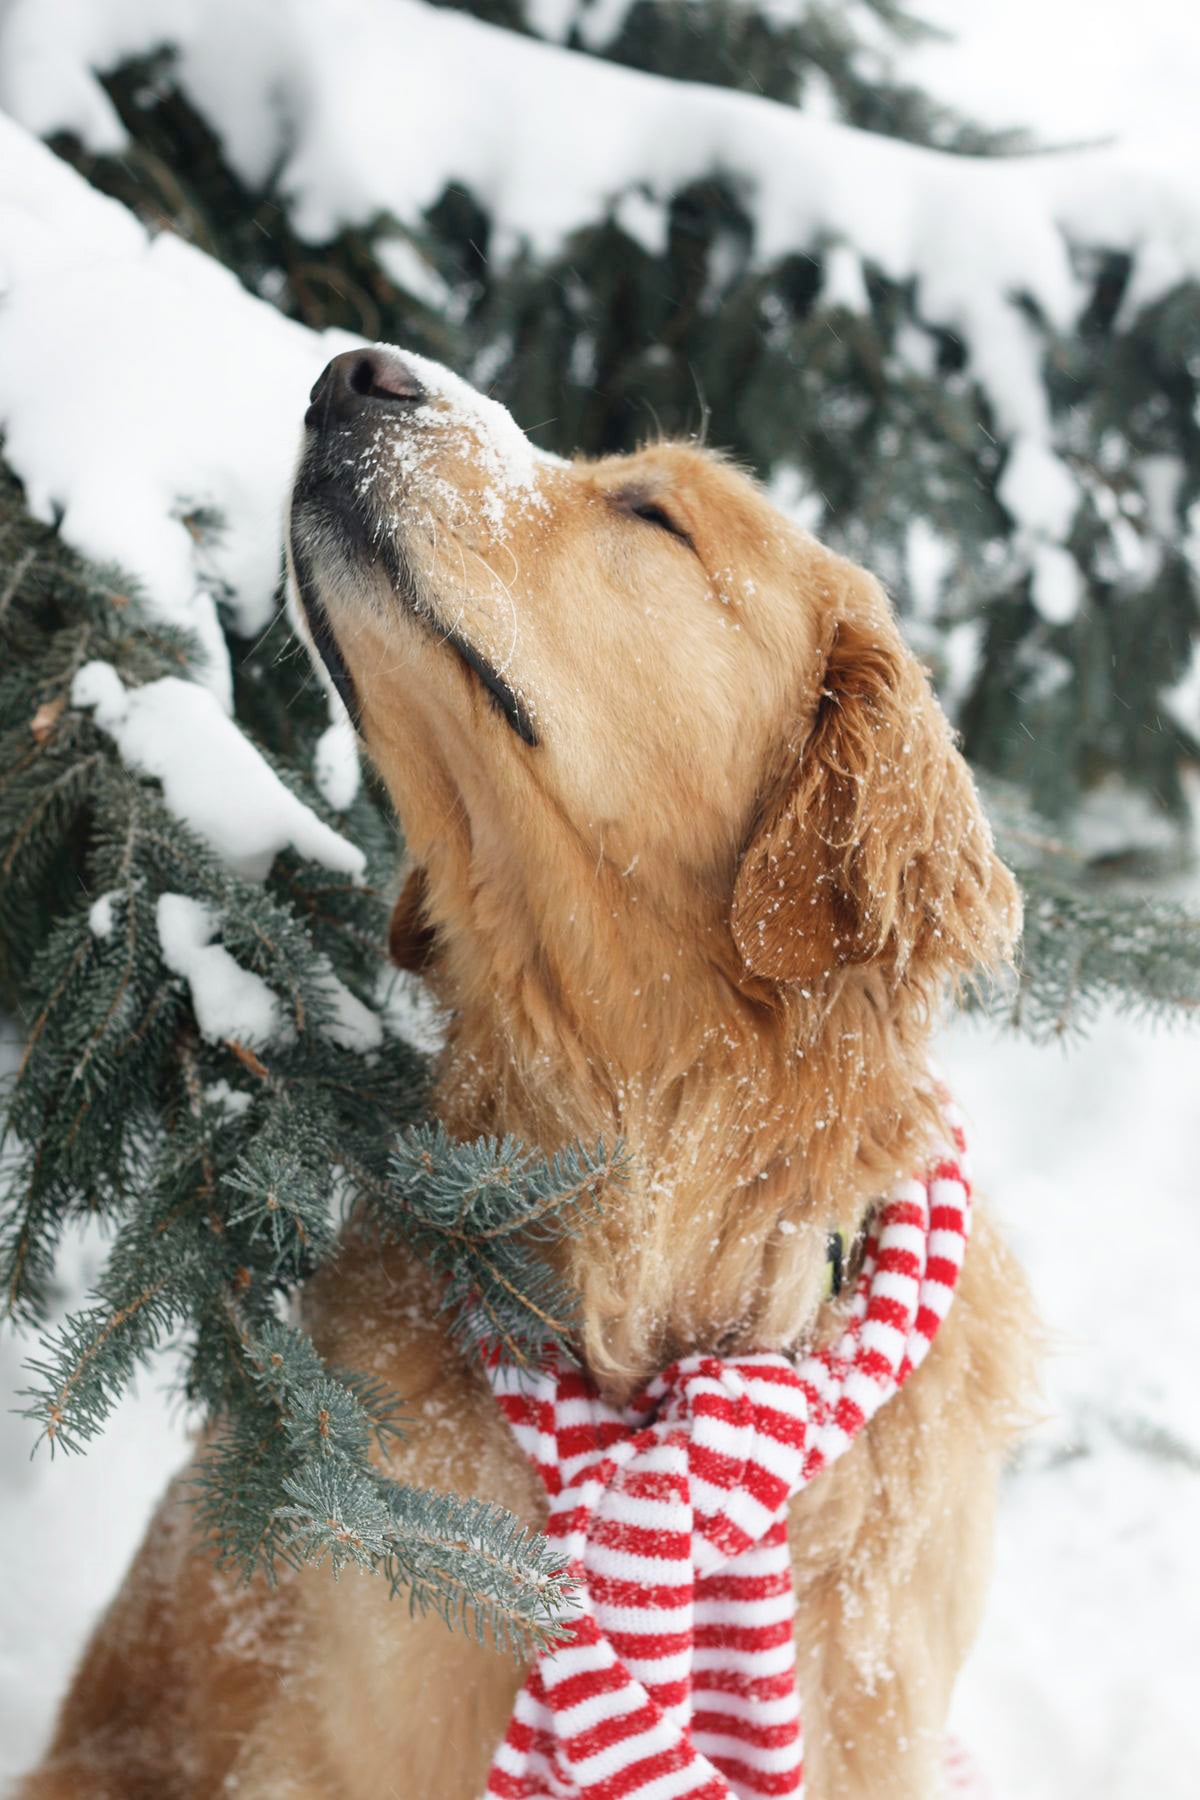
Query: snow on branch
x=174 y=730
x=973 y=232
x=143 y=392
x=172 y=390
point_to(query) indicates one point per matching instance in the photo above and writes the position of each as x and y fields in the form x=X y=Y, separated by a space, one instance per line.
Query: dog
x=691 y=860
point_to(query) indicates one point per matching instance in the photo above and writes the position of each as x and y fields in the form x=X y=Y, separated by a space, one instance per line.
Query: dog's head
x=629 y=676
x=692 y=847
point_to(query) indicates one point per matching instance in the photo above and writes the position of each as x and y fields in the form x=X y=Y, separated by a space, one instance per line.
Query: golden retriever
x=692 y=856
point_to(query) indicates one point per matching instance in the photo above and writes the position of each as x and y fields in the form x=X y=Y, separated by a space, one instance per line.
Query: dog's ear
x=410 y=937
x=871 y=844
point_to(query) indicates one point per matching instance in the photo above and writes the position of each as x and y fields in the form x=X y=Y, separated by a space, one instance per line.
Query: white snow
x=101 y=916
x=403 y=263
x=1038 y=490
x=351 y=1024
x=410 y=1012
x=229 y=1001
x=1082 y=1686
x=213 y=778
x=139 y=383
x=173 y=390
x=69 y=1526
x=1057 y=583
x=843 y=283
x=1183 y=700
x=1074 y=72
x=231 y=1100
x=336 y=768
x=929 y=559
x=972 y=234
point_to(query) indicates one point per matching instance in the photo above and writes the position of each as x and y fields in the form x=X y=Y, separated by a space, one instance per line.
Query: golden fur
x=711 y=912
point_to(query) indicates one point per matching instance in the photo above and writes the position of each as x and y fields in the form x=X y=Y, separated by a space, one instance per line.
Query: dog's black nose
x=359 y=379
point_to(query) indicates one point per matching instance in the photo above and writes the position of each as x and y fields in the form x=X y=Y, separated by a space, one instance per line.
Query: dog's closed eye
x=658 y=515
x=638 y=505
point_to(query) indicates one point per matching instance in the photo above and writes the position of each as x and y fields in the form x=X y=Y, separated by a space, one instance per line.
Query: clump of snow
x=403 y=263
x=960 y=654
x=1042 y=495
x=644 y=219
x=1038 y=489
x=213 y=778
x=351 y=1024
x=410 y=1012
x=140 y=384
x=1182 y=700
x=1057 y=585
x=843 y=283
x=928 y=559
x=231 y=1100
x=336 y=768
x=229 y=1001
x=101 y=917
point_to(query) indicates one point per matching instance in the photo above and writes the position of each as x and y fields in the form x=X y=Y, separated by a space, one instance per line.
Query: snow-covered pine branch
x=970 y=371
x=194 y=949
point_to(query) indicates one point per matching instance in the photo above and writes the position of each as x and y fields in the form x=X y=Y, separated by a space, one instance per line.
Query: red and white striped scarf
x=677 y=1680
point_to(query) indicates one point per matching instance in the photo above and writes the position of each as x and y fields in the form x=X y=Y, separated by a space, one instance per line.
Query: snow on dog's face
x=633 y=670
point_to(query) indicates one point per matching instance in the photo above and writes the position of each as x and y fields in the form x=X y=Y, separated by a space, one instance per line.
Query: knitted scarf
x=677 y=1678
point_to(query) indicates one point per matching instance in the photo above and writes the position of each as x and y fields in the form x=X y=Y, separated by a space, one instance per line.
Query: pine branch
x=482 y=1214
x=89 y=1361
x=471 y=1563
x=1087 y=947
x=1084 y=952
x=289 y=1481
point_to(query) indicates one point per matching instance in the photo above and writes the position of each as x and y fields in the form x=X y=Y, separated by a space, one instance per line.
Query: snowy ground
x=1082 y=1686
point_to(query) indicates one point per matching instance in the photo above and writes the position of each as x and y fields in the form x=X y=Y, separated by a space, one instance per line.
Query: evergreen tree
x=211 y=1153
x=1060 y=662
